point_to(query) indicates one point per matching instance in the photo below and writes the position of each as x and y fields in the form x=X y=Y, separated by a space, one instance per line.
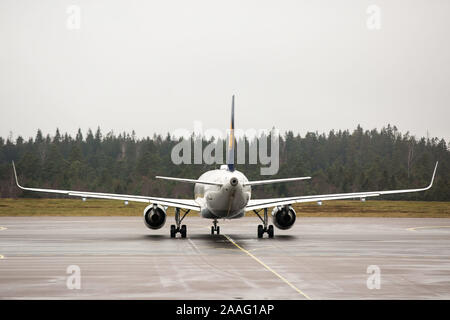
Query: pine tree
x=340 y=161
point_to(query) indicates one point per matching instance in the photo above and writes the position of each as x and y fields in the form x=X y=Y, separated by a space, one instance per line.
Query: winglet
x=15 y=175
x=434 y=173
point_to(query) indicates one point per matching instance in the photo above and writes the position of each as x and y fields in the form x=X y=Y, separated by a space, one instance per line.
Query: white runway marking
x=194 y=245
x=427 y=227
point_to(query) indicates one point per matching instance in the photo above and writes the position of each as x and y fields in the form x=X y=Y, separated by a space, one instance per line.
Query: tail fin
x=230 y=157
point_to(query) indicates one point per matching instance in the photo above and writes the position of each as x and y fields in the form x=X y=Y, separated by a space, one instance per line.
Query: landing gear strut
x=264 y=228
x=178 y=228
x=215 y=228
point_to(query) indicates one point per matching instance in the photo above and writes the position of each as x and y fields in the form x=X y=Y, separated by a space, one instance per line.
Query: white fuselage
x=227 y=201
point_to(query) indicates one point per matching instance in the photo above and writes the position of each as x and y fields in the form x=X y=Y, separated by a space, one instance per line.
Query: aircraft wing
x=256 y=204
x=179 y=203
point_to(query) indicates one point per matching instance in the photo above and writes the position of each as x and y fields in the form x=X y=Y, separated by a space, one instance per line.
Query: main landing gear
x=215 y=228
x=264 y=228
x=178 y=228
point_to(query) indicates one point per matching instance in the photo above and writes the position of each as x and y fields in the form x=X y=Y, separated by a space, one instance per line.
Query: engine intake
x=155 y=216
x=283 y=217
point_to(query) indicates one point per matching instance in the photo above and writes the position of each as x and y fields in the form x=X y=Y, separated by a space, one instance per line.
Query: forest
x=337 y=161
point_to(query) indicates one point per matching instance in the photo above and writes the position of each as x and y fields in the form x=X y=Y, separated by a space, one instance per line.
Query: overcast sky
x=157 y=66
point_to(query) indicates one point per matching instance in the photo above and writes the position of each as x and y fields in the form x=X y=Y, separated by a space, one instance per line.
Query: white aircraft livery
x=224 y=193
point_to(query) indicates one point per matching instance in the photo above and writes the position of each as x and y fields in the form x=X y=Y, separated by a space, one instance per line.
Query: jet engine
x=283 y=217
x=155 y=216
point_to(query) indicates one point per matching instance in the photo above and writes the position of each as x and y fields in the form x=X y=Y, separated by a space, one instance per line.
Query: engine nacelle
x=283 y=217
x=155 y=216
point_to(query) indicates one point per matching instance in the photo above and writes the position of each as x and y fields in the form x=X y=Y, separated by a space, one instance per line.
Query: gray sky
x=155 y=66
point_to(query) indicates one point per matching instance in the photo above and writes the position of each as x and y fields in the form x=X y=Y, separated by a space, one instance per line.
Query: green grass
x=68 y=207
x=374 y=208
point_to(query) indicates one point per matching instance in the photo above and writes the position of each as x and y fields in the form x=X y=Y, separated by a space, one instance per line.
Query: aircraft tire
x=260 y=231
x=270 y=231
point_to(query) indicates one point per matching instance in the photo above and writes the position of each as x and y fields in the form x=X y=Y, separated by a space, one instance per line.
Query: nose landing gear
x=264 y=228
x=215 y=228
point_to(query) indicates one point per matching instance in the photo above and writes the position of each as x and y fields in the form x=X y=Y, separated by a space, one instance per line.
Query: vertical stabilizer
x=231 y=143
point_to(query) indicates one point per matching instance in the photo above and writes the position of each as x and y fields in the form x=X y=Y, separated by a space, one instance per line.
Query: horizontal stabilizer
x=259 y=182
x=190 y=180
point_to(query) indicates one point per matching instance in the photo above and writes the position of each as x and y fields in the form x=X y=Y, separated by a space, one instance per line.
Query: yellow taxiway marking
x=3 y=228
x=268 y=268
x=427 y=227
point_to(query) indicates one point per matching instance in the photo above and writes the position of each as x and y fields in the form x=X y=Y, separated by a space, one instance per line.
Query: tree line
x=339 y=161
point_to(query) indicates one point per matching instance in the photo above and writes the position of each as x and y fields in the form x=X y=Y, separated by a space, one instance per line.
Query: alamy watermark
x=74 y=279
x=374 y=280
x=373 y=21
x=73 y=21
x=263 y=147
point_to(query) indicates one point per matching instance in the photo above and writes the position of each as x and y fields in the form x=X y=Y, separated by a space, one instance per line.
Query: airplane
x=224 y=193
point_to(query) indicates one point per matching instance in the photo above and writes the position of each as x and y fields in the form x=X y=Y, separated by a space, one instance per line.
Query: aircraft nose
x=234 y=182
